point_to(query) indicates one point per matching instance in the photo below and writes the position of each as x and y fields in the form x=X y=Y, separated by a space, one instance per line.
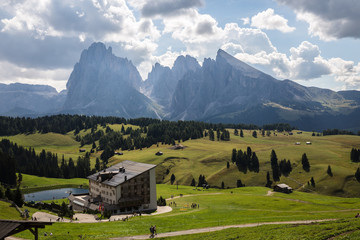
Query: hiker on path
x=151 y=231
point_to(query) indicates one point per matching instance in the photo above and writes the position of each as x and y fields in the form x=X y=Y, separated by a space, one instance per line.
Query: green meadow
x=209 y=158
x=32 y=183
x=219 y=208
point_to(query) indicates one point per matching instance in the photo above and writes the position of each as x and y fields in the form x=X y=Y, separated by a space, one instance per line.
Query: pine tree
x=268 y=181
x=19 y=180
x=329 y=172
x=312 y=181
x=305 y=163
x=172 y=179
x=241 y=133
x=239 y=183
x=18 y=199
x=193 y=182
x=357 y=175
x=275 y=166
x=97 y=164
x=222 y=185
x=233 y=156
x=254 y=134
x=236 y=132
x=227 y=165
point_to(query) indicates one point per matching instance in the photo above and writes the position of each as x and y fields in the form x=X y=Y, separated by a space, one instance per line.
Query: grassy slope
x=228 y=207
x=346 y=229
x=33 y=183
x=209 y=158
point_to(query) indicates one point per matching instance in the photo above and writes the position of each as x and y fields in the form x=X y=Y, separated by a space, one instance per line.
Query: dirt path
x=213 y=229
x=89 y=218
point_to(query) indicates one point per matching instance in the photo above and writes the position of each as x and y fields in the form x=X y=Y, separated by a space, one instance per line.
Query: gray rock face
x=27 y=100
x=161 y=82
x=230 y=91
x=103 y=84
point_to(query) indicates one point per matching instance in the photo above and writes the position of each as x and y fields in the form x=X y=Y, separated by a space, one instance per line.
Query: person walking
x=151 y=231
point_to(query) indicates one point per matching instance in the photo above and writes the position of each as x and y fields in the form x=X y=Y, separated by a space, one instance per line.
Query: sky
x=313 y=42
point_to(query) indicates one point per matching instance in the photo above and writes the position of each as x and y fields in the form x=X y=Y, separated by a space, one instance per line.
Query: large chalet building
x=122 y=188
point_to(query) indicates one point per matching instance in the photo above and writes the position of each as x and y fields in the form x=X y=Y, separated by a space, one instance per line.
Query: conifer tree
x=305 y=163
x=18 y=199
x=312 y=181
x=329 y=172
x=222 y=185
x=357 y=175
x=254 y=134
x=275 y=166
x=172 y=179
x=241 y=133
x=227 y=165
x=193 y=182
x=233 y=156
x=239 y=183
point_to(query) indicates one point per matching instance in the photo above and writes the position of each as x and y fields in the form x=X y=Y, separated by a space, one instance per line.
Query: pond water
x=53 y=194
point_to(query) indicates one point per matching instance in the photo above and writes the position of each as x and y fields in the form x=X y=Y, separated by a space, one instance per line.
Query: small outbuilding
x=283 y=188
x=159 y=153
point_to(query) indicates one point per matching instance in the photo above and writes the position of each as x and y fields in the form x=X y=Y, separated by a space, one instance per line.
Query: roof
x=283 y=185
x=10 y=227
x=112 y=176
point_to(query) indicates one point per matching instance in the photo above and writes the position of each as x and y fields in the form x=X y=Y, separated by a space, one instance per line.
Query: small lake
x=53 y=194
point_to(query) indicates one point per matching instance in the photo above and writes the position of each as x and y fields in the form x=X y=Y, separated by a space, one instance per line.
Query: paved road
x=213 y=229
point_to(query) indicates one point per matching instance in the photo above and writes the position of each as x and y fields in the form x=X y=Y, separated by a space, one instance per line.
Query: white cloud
x=246 y=20
x=11 y=73
x=329 y=20
x=270 y=21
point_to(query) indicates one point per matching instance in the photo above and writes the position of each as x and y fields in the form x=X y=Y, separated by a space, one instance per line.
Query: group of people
x=172 y=204
x=194 y=205
x=153 y=231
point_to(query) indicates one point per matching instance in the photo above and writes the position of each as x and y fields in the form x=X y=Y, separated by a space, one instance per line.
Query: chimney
x=125 y=178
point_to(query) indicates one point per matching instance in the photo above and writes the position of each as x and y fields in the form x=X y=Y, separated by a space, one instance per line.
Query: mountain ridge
x=223 y=89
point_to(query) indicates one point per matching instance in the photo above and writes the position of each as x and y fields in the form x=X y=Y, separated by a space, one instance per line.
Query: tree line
x=14 y=158
x=64 y=123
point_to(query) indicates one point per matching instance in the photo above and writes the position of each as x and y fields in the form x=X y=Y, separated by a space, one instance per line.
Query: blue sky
x=312 y=42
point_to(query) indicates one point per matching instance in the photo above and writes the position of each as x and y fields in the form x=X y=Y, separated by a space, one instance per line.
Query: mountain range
x=224 y=90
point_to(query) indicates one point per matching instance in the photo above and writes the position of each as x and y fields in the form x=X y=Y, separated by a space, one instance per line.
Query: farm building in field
x=282 y=188
x=125 y=187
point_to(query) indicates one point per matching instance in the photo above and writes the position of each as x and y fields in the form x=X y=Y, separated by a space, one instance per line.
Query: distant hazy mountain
x=222 y=90
x=29 y=100
x=103 y=84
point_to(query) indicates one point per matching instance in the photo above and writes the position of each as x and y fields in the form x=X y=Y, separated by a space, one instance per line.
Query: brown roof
x=11 y=227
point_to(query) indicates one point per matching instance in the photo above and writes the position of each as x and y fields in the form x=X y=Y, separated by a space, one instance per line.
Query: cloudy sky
x=313 y=42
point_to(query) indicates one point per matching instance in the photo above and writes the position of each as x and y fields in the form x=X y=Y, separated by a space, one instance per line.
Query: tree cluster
x=202 y=181
x=161 y=201
x=278 y=169
x=245 y=160
x=337 y=132
x=355 y=155
x=19 y=159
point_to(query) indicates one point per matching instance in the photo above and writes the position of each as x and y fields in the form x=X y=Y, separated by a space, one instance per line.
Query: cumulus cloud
x=270 y=21
x=168 y=7
x=329 y=20
x=52 y=34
